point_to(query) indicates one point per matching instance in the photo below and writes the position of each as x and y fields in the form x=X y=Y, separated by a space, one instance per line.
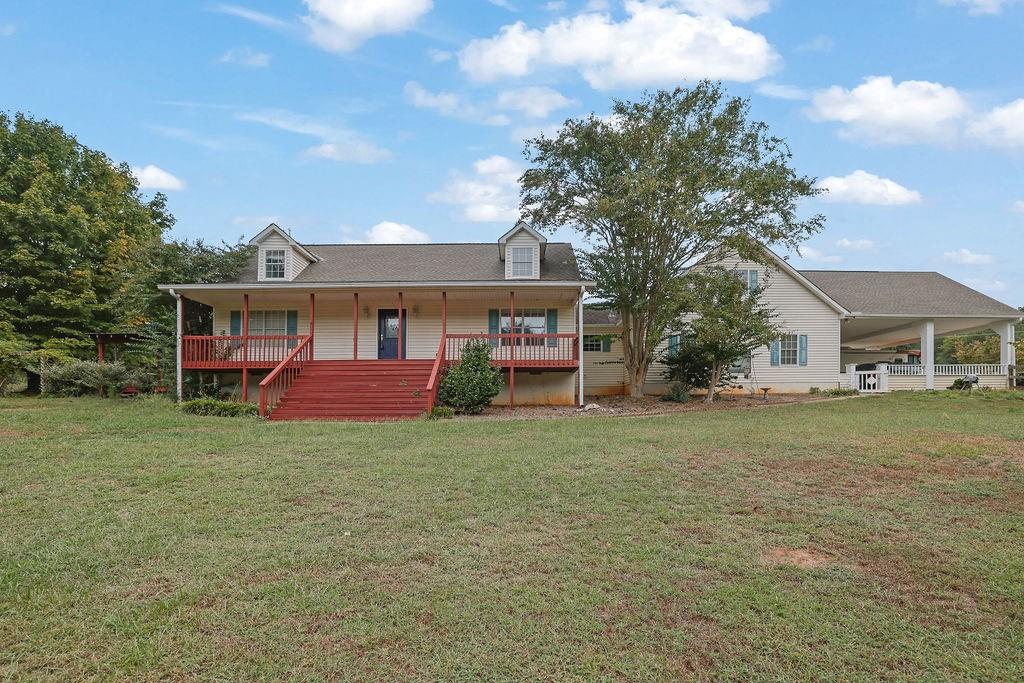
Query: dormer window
x=522 y=261
x=273 y=264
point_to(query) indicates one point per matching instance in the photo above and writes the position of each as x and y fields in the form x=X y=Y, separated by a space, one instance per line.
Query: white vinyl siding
x=294 y=262
x=516 y=246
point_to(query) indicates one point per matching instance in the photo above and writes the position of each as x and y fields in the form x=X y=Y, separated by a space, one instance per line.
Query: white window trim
x=795 y=350
x=531 y=255
x=283 y=264
x=592 y=339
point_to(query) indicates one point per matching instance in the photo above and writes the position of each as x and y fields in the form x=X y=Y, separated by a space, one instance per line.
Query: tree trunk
x=35 y=383
x=716 y=375
x=636 y=383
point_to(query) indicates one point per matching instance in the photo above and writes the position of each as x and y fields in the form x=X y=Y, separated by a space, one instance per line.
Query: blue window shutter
x=752 y=281
x=606 y=344
x=552 y=326
x=802 y=350
x=236 y=323
x=776 y=352
x=292 y=324
x=673 y=343
x=492 y=324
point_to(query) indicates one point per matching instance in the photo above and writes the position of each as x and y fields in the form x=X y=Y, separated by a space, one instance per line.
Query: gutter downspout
x=179 y=327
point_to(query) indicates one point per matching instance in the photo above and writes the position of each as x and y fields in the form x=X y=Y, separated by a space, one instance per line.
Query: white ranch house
x=354 y=331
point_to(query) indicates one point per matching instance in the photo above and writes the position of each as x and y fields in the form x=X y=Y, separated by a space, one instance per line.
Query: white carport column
x=1007 y=348
x=927 y=329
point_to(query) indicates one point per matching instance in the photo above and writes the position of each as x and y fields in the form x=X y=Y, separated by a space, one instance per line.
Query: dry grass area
x=865 y=539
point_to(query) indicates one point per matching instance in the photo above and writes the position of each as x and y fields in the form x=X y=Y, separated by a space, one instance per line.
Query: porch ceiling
x=884 y=332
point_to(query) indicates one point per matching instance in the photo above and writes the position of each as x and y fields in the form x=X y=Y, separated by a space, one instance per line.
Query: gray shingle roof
x=905 y=293
x=600 y=316
x=467 y=262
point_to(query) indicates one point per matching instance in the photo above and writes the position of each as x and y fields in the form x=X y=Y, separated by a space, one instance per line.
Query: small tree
x=731 y=321
x=470 y=385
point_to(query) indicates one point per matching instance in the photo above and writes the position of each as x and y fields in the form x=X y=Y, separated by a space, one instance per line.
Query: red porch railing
x=274 y=385
x=521 y=350
x=435 y=374
x=201 y=352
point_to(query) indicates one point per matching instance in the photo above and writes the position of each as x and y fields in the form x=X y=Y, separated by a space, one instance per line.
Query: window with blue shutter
x=236 y=323
x=292 y=327
x=673 y=343
x=802 y=352
x=752 y=280
x=492 y=324
x=552 y=326
x=776 y=353
x=606 y=344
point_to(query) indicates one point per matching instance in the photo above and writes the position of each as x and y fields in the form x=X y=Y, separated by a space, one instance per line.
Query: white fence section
x=954 y=370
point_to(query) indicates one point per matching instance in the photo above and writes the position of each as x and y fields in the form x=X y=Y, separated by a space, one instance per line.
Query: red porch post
x=512 y=352
x=312 y=319
x=355 y=325
x=101 y=348
x=245 y=347
x=401 y=328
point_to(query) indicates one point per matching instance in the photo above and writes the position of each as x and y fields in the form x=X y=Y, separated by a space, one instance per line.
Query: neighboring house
x=835 y=321
x=363 y=330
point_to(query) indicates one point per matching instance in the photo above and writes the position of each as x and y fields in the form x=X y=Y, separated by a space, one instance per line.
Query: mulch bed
x=626 y=406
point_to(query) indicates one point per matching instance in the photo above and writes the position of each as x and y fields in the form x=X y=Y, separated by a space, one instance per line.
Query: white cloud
x=389 y=232
x=1002 y=126
x=739 y=9
x=438 y=56
x=490 y=193
x=812 y=254
x=1017 y=206
x=533 y=101
x=987 y=286
x=7 y=30
x=337 y=143
x=982 y=6
x=967 y=257
x=245 y=56
x=451 y=104
x=782 y=92
x=861 y=187
x=251 y=15
x=655 y=44
x=879 y=110
x=555 y=5
x=342 y=25
x=855 y=245
x=152 y=177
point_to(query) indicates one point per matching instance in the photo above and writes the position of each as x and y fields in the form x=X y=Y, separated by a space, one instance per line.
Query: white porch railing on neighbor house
x=949 y=369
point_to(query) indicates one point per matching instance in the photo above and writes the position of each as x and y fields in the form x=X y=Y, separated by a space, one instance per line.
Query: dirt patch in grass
x=804 y=558
x=15 y=433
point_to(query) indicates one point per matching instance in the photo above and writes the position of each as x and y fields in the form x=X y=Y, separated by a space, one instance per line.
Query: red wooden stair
x=356 y=390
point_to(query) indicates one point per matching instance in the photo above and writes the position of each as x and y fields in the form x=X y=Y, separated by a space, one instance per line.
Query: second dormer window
x=522 y=261
x=274 y=261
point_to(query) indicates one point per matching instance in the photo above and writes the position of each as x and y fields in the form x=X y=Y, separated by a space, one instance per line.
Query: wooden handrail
x=435 y=374
x=293 y=361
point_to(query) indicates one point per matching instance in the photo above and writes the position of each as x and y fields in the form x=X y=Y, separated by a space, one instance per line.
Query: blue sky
x=346 y=120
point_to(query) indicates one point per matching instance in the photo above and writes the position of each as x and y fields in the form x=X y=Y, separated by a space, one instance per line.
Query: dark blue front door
x=387 y=332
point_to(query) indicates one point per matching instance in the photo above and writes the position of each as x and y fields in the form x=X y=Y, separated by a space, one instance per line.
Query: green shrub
x=677 y=393
x=215 y=408
x=441 y=413
x=471 y=384
x=814 y=391
x=839 y=391
x=81 y=377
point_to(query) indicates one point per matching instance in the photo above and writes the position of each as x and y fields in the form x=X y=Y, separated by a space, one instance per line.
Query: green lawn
x=859 y=539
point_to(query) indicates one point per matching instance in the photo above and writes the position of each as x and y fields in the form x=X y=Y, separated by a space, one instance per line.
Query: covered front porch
x=871 y=363
x=278 y=330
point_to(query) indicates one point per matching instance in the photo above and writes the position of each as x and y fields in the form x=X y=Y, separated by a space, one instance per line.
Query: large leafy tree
x=73 y=228
x=677 y=179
